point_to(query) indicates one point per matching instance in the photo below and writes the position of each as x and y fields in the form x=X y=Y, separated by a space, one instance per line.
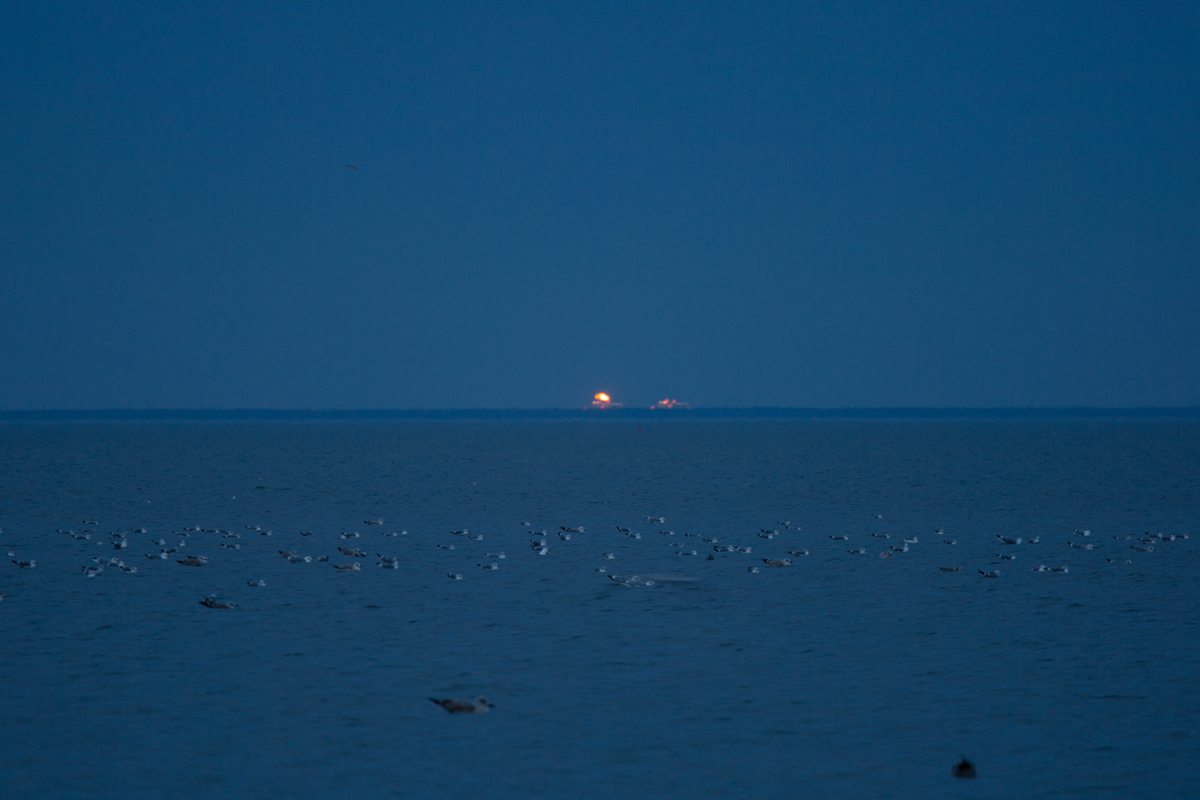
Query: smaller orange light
x=601 y=397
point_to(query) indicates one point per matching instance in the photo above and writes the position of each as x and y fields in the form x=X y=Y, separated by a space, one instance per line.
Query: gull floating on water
x=800 y=553
x=355 y=567
x=192 y=561
x=259 y=582
x=777 y=562
x=496 y=555
x=479 y=705
x=991 y=573
x=212 y=602
x=951 y=569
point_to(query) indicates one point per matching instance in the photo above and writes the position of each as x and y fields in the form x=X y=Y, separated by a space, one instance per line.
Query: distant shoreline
x=284 y=415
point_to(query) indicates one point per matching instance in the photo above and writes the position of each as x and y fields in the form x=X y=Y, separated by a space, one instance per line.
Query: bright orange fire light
x=601 y=397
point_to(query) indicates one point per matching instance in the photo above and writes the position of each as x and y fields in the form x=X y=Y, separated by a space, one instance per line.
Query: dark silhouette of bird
x=963 y=769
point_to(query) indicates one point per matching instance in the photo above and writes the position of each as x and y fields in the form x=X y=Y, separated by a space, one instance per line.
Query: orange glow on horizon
x=601 y=397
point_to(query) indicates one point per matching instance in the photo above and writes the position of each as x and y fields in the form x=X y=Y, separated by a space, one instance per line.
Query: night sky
x=737 y=204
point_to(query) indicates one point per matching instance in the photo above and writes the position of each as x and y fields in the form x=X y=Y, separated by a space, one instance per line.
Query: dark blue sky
x=933 y=204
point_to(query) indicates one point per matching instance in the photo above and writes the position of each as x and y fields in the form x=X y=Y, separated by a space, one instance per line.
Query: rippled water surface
x=842 y=675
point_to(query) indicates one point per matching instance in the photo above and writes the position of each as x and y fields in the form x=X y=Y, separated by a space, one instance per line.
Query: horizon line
x=721 y=412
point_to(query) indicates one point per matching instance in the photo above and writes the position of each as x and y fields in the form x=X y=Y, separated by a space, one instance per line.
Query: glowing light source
x=602 y=400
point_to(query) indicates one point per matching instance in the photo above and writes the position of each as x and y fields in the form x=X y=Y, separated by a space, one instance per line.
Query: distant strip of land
x=368 y=414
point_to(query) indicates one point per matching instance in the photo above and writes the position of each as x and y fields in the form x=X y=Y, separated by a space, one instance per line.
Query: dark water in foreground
x=841 y=675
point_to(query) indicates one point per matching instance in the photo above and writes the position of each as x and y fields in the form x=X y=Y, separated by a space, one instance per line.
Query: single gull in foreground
x=479 y=705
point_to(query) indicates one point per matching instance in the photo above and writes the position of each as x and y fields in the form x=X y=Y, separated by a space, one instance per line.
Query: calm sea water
x=842 y=675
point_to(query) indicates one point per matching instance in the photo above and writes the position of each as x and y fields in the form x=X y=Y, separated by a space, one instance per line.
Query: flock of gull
x=184 y=544
x=183 y=547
